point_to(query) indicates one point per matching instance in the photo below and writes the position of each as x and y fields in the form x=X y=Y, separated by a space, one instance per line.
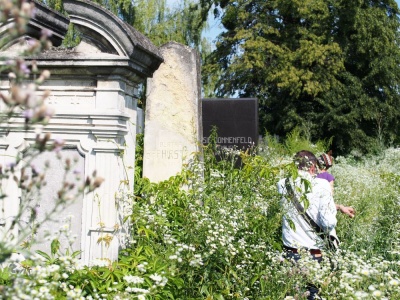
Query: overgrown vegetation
x=213 y=232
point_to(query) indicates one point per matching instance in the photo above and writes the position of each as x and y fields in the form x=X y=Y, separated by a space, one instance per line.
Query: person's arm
x=347 y=210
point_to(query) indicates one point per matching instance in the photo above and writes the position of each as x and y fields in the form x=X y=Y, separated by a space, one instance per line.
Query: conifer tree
x=329 y=67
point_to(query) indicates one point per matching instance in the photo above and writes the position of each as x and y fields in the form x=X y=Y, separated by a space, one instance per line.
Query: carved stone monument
x=173 y=124
x=94 y=92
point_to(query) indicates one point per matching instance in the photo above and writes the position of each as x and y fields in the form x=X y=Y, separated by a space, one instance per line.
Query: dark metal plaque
x=236 y=121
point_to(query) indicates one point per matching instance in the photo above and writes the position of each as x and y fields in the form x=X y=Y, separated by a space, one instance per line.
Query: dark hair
x=304 y=159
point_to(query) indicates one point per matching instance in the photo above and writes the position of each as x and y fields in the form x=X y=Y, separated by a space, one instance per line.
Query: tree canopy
x=159 y=21
x=330 y=67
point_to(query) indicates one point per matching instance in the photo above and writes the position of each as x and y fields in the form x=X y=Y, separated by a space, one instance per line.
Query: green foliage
x=6 y=276
x=214 y=232
x=202 y=233
x=370 y=185
x=181 y=22
x=72 y=38
x=296 y=140
x=139 y=158
x=331 y=67
x=120 y=8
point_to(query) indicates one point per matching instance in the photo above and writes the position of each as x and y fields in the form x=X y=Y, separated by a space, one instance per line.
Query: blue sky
x=215 y=27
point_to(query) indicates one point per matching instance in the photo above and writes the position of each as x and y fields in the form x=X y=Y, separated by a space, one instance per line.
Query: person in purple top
x=325 y=161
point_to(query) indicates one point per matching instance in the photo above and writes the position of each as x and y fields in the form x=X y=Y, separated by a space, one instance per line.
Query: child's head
x=325 y=161
x=305 y=160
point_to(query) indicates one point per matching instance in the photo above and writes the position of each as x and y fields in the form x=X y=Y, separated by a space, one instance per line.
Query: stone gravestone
x=173 y=126
x=236 y=121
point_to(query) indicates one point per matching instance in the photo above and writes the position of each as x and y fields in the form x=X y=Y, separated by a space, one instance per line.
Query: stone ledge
x=47 y=18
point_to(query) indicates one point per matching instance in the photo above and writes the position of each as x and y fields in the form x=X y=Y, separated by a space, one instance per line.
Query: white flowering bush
x=213 y=232
x=221 y=238
x=210 y=237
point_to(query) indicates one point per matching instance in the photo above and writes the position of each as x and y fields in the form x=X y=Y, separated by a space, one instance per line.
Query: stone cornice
x=47 y=18
x=105 y=124
x=121 y=48
x=110 y=34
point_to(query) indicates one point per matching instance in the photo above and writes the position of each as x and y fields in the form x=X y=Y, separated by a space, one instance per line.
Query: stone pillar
x=106 y=147
x=173 y=120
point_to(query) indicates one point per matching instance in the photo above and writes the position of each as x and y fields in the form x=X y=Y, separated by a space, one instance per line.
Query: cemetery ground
x=219 y=238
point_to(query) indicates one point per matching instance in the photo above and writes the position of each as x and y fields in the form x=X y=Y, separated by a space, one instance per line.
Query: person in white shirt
x=296 y=231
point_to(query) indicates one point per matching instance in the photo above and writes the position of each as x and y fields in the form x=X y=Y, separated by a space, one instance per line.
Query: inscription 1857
x=168 y=151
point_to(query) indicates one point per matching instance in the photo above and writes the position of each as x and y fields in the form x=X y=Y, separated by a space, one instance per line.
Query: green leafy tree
x=121 y=8
x=363 y=108
x=162 y=23
x=330 y=67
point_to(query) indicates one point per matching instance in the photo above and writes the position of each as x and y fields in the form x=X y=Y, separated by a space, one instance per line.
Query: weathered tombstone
x=94 y=92
x=236 y=121
x=173 y=126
